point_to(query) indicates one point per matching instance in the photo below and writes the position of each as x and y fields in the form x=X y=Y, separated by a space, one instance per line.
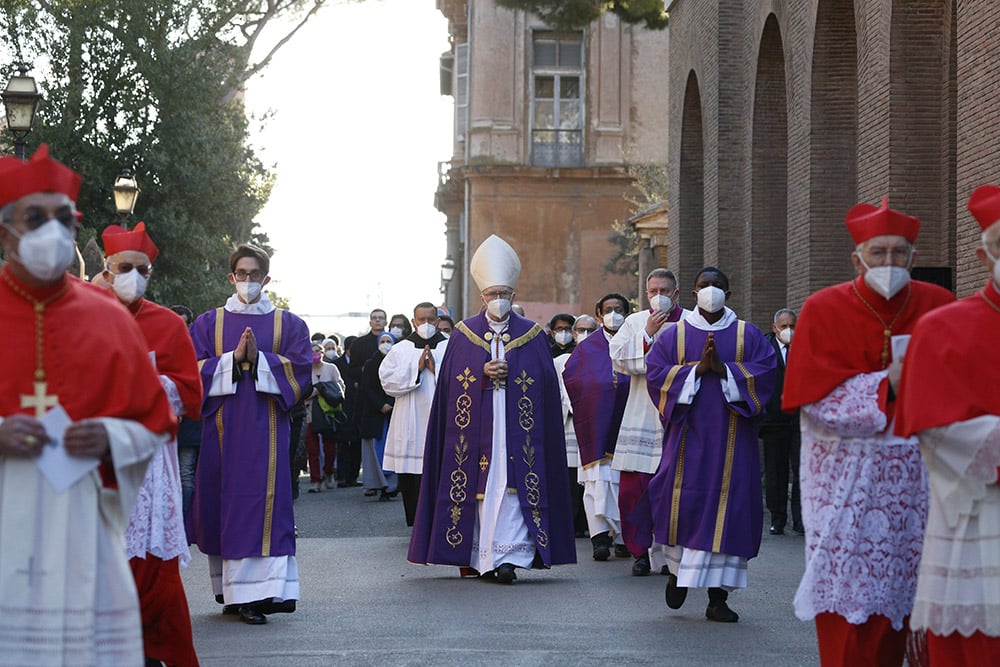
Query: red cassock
x=837 y=337
x=166 y=622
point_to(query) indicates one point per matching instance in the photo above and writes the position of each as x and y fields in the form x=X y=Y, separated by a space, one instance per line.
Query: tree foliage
x=154 y=86
x=576 y=14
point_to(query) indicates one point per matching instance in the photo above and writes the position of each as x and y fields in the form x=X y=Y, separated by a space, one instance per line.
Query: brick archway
x=768 y=231
x=690 y=248
x=834 y=143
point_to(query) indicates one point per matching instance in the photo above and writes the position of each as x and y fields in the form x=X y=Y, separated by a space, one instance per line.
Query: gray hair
x=784 y=311
x=663 y=273
x=584 y=317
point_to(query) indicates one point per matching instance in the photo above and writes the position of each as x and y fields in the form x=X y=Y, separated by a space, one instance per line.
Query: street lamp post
x=447 y=273
x=126 y=193
x=20 y=101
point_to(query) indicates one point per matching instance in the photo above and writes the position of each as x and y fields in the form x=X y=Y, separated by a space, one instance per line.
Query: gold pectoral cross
x=40 y=400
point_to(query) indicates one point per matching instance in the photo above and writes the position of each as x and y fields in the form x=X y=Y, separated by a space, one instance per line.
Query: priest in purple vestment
x=710 y=378
x=255 y=363
x=494 y=494
x=598 y=394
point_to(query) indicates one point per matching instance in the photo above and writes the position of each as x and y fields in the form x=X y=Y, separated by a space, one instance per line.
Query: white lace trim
x=864 y=504
x=156 y=524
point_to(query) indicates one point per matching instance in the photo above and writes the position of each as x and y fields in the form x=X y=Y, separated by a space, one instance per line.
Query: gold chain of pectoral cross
x=39 y=400
x=886 y=328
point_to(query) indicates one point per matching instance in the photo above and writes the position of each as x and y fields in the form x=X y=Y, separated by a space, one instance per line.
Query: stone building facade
x=545 y=124
x=785 y=113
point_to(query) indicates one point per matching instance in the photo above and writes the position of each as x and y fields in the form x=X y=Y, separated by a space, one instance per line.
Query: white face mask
x=384 y=347
x=661 y=302
x=563 y=337
x=711 y=299
x=330 y=355
x=785 y=335
x=886 y=281
x=45 y=252
x=129 y=286
x=582 y=336
x=426 y=330
x=613 y=321
x=996 y=266
x=397 y=332
x=249 y=291
x=498 y=308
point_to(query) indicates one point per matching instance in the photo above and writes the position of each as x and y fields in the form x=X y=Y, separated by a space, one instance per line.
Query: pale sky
x=358 y=128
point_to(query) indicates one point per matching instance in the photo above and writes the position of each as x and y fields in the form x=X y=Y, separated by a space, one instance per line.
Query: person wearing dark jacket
x=779 y=432
x=348 y=435
x=374 y=408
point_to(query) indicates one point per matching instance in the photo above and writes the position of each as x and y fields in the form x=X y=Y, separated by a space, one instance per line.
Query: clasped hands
x=426 y=360
x=21 y=435
x=710 y=361
x=496 y=370
x=246 y=349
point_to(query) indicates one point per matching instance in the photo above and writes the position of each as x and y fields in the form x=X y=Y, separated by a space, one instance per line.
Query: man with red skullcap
x=949 y=399
x=863 y=489
x=82 y=413
x=155 y=538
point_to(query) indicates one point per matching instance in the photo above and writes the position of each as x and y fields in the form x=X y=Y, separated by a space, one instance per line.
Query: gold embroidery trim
x=675 y=498
x=521 y=340
x=681 y=343
x=727 y=476
x=272 y=465
x=276 y=344
x=463 y=328
x=666 y=387
x=526 y=420
x=458 y=493
x=740 y=347
x=286 y=365
x=607 y=458
x=219 y=318
x=218 y=426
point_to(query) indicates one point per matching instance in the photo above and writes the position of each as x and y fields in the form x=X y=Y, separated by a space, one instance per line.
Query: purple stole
x=458 y=451
x=598 y=395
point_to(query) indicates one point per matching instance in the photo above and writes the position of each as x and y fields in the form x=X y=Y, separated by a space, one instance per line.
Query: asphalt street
x=363 y=604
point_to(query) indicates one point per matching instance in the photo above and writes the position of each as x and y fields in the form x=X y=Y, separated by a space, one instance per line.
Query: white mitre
x=495 y=263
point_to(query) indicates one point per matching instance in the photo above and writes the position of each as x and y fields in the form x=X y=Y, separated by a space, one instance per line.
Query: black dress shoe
x=640 y=568
x=602 y=546
x=799 y=529
x=776 y=530
x=675 y=594
x=272 y=607
x=505 y=574
x=621 y=551
x=230 y=610
x=721 y=613
x=252 y=616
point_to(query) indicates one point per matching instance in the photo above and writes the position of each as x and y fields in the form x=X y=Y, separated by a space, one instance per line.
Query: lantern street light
x=126 y=193
x=447 y=273
x=20 y=101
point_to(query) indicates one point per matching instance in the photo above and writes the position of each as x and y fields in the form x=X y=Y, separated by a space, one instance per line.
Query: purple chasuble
x=460 y=439
x=706 y=494
x=598 y=395
x=242 y=504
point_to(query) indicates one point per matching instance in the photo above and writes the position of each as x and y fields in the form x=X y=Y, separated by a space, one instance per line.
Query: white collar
x=695 y=319
x=262 y=306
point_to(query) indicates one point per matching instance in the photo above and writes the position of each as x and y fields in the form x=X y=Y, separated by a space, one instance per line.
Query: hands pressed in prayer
x=496 y=370
x=246 y=349
x=87 y=438
x=655 y=321
x=426 y=360
x=21 y=435
x=710 y=361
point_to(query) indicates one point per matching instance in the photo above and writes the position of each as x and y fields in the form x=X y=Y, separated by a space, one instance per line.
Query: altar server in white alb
x=408 y=374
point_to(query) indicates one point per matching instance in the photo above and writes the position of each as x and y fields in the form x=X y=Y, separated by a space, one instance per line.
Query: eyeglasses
x=498 y=294
x=584 y=330
x=255 y=275
x=36 y=217
x=665 y=291
x=125 y=267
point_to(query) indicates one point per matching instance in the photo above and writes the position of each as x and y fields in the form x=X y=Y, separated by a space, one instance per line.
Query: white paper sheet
x=61 y=469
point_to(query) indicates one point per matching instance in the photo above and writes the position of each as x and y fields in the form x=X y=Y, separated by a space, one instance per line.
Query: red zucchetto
x=117 y=239
x=39 y=174
x=865 y=221
x=984 y=205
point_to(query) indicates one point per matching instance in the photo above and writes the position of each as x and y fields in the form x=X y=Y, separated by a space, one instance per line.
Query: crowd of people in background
x=873 y=417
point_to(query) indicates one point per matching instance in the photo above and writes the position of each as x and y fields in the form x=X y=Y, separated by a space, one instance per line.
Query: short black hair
x=318 y=337
x=447 y=318
x=613 y=295
x=250 y=250
x=561 y=317
x=712 y=269
x=184 y=312
x=424 y=304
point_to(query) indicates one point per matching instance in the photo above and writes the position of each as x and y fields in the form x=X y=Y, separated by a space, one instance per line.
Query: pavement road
x=363 y=604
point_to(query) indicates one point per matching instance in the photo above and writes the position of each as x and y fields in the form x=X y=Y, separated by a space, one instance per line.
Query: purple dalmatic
x=598 y=395
x=242 y=504
x=459 y=446
x=706 y=493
